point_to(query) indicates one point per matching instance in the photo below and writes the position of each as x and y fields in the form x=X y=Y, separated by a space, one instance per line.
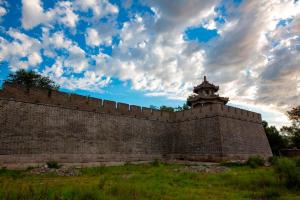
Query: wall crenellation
x=220 y=110
x=74 y=101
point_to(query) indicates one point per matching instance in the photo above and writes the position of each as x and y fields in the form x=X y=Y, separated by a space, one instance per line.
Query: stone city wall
x=37 y=133
x=78 y=102
x=37 y=126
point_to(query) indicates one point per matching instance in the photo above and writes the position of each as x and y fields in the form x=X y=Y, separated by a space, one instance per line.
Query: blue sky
x=153 y=52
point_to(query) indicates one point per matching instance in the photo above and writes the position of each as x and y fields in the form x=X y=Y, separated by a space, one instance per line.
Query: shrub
x=156 y=163
x=272 y=160
x=288 y=171
x=11 y=173
x=53 y=165
x=255 y=161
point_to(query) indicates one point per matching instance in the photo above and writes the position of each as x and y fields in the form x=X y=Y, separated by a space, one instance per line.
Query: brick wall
x=37 y=126
x=28 y=129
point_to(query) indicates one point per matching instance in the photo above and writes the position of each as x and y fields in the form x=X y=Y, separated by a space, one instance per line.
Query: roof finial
x=204 y=78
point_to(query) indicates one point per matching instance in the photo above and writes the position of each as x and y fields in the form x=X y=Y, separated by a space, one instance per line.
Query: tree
x=167 y=108
x=171 y=109
x=294 y=114
x=154 y=107
x=183 y=107
x=276 y=140
x=30 y=79
x=293 y=131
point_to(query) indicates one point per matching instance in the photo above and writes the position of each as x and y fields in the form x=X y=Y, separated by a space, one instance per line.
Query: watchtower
x=205 y=94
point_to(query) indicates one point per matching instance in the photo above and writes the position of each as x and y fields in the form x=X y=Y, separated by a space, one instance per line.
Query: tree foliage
x=183 y=107
x=30 y=79
x=293 y=131
x=178 y=108
x=167 y=108
x=276 y=140
x=171 y=109
x=294 y=114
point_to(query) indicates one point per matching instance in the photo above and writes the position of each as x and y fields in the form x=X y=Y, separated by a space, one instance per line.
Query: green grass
x=146 y=181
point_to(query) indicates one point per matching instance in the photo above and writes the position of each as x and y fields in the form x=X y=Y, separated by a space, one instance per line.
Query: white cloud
x=57 y=40
x=295 y=26
x=255 y=61
x=178 y=15
x=90 y=81
x=73 y=58
x=64 y=13
x=2 y=11
x=156 y=63
x=55 y=71
x=34 y=59
x=93 y=38
x=22 y=52
x=33 y=14
x=100 y=8
x=76 y=59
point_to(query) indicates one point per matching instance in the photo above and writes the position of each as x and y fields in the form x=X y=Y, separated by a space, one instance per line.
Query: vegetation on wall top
x=30 y=79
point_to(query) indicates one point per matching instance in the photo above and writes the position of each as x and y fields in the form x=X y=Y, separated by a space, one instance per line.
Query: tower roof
x=205 y=95
x=205 y=85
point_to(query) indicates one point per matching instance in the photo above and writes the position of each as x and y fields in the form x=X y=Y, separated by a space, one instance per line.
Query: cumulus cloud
x=92 y=37
x=73 y=57
x=2 y=11
x=90 y=81
x=172 y=15
x=63 y=13
x=33 y=14
x=22 y=52
x=76 y=59
x=156 y=63
x=100 y=8
x=255 y=60
x=243 y=39
x=95 y=38
x=152 y=52
x=295 y=26
x=56 y=40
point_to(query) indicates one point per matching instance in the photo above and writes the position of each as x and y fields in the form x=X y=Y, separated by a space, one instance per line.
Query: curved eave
x=199 y=88
x=195 y=99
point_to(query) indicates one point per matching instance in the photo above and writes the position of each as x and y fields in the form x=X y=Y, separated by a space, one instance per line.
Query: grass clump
x=255 y=161
x=53 y=165
x=14 y=174
x=288 y=171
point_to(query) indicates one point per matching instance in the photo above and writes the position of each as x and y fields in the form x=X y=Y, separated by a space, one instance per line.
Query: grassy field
x=146 y=181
